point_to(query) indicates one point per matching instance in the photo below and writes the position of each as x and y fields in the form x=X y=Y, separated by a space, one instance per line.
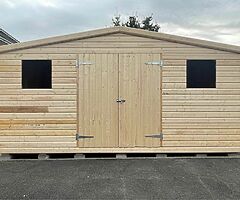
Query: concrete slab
x=201 y=155
x=121 y=156
x=5 y=157
x=161 y=155
x=79 y=156
x=43 y=156
x=234 y=155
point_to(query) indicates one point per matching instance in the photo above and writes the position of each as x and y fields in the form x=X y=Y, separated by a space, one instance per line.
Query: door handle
x=120 y=100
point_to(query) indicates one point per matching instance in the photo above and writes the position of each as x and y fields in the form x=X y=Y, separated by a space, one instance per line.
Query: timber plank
x=37 y=115
x=201 y=108
x=201 y=97
x=204 y=149
x=37 y=121
x=17 y=138
x=202 y=143
x=200 y=137
x=217 y=131
x=39 y=103
x=33 y=128
x=37 y=144
x=201 y=91
x=23 y=109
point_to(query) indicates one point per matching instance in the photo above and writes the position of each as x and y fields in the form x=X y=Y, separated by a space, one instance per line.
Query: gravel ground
x=121 y=179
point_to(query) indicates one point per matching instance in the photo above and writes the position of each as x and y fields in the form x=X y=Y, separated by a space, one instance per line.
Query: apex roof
x=124 y=30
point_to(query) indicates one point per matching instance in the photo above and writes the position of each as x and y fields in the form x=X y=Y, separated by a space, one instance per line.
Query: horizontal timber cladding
x=37 y=118
x=193 y=120
x=23 y=109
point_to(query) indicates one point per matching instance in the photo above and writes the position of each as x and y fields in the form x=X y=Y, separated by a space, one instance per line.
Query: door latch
x=120 y=100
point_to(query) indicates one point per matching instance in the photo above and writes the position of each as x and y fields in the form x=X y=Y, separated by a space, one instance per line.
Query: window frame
x=22 y=76
x=201 y=88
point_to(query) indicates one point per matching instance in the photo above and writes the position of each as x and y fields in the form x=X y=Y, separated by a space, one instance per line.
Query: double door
x=119 y=100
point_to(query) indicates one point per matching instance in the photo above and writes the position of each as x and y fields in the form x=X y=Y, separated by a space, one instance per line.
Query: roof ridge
x=119 y=29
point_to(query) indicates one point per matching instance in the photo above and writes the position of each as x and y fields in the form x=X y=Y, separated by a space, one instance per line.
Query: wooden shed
x=119 y=90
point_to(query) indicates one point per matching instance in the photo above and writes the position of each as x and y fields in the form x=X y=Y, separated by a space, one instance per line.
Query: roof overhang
x=125 y=30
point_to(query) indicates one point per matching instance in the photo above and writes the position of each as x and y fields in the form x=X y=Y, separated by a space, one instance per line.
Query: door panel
x=103 y=78
x=139 y=85
x=97 y=93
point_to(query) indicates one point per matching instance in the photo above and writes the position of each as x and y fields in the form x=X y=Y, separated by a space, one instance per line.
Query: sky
x=215 y=20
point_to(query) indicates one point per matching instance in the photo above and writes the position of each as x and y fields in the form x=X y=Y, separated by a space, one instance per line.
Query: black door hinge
x=83 y=136
x=160 y=136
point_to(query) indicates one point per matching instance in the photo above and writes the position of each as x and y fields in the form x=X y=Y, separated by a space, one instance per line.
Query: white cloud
x=8 y=3
x=48 y=3
x=14 y=3
x=231 y=39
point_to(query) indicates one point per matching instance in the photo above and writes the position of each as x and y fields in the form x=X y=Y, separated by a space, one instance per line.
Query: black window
x=36 y=74
x=201 y=73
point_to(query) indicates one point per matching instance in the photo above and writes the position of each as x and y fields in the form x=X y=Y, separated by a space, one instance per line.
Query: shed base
x=198 y=150
x=5 y=157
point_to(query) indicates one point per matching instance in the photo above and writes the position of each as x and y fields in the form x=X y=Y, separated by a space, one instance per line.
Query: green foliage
x=116 y=21
x=148 y=25
x=133 y=22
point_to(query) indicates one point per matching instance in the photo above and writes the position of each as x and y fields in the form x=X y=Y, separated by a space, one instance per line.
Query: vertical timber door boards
x=119 y=100
x=140 y=115
x=97 y=94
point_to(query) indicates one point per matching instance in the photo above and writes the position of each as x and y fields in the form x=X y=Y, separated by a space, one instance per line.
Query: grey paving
x=121 y=179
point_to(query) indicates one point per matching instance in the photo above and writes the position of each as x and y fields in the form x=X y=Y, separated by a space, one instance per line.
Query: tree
x=133 y=22
x=148 y=25
x=116 y=21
